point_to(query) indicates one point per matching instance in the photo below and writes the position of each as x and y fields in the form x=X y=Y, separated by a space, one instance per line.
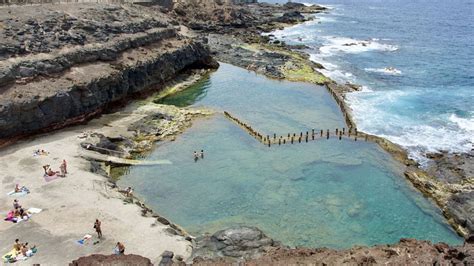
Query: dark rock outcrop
x=111 y=260
x=239 y=242
x=32 y=113
x=406 y=252
x=68 y=63
x=291 y=17
x=166 y=258
x=461 y=207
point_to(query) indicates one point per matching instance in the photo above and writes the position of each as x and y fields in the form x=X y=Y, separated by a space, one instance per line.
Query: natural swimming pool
x=325 y=193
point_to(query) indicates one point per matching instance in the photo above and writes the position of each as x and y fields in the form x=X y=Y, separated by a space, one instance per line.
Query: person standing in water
x=202 y=154
x=196 y=156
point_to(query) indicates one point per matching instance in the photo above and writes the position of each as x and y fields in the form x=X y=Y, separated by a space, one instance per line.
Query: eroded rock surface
x=406 y=252
x=239 y=243
x=111 y=260
x=108 y=54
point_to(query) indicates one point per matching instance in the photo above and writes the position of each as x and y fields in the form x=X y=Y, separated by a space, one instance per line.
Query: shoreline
x=271 y=59
x=427 y=184
x=67 y=202
x=91 y=184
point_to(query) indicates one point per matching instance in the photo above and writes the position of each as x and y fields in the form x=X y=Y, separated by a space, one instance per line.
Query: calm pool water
x=324 y=193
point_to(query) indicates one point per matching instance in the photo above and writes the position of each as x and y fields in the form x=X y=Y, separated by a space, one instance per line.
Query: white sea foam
x=452 y=133
x=385 y=70
x=331 y=70
x=348 y=45
x=465 y=124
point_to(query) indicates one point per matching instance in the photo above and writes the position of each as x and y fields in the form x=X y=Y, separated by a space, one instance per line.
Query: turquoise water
x=325 y=193
x=264 y=102
x=425 y=106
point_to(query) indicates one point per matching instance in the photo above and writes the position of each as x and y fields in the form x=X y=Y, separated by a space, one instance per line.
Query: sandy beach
x=70 y=205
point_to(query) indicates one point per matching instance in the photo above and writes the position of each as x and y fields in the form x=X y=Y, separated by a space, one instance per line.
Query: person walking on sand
x=202 y=154
x=62 y=170
x=97 y=228
x=64 y=164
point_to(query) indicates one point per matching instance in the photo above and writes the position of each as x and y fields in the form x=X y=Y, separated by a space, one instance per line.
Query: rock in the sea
x=291 y=17
x=238 y=243
x=109 y=260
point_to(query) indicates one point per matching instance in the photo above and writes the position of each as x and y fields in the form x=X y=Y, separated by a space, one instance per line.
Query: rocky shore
x=449 y=179
x=240 y=244
x=65 y=64
x=69 y=63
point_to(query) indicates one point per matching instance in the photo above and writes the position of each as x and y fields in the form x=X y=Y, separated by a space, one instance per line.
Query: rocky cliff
x=250 y=246
x=62 y=64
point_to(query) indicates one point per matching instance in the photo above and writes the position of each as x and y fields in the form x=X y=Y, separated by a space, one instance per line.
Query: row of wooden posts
x=293 y=138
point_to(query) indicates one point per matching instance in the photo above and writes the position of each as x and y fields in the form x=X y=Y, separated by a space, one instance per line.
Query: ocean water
x=415 y=60
x=334 y=193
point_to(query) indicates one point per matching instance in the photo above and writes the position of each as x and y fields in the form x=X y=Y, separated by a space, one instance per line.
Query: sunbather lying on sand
x=20 y=251
x=51 y=172
x=40 y=152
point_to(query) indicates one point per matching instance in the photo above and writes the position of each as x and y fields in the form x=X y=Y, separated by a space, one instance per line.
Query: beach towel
x=11 y=218
x=50 y=178
x=84 y=239
x=10 y=256
x=23 y=192
x=17 y=194
x=34 y=210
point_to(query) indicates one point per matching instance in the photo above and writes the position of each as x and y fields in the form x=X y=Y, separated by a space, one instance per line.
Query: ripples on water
x=428 y=105
x=325 y=193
